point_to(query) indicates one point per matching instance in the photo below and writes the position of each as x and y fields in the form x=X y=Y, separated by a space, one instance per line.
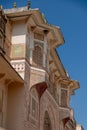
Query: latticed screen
x=37 y=56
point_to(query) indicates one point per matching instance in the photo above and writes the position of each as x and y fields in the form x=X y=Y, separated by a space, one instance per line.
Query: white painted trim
x=36 y=40
x=17 y=61
x=38 y=69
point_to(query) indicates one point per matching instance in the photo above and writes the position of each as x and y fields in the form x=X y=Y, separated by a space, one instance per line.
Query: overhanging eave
x=7 y=71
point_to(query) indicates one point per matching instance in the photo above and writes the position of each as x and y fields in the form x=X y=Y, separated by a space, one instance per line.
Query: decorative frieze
x=38 y=56
x=19 y=66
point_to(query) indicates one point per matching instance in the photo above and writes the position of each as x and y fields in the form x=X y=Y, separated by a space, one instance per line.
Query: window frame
x=39 y=44
x=36 y=116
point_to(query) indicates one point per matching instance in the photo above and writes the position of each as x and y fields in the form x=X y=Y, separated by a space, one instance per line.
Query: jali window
x=37 y=56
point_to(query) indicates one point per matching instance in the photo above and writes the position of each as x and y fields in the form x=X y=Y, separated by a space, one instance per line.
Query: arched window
x=47 y=122
x=37 y=56
x=33 y=113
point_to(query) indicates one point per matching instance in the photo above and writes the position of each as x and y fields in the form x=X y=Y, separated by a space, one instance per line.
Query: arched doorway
x=47 y=122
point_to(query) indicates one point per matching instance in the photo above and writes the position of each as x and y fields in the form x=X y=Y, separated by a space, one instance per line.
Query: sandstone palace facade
x=35 y=89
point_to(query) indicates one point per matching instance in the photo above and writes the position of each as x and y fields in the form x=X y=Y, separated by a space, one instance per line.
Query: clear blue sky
x=71 y=16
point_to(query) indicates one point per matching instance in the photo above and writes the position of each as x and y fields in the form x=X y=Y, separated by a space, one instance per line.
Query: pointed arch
x=35 y=94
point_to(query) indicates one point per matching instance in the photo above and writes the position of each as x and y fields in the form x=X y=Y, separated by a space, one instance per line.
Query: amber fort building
x=35 y=88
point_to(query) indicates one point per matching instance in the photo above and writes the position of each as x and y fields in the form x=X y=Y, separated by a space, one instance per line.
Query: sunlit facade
x=35 y=89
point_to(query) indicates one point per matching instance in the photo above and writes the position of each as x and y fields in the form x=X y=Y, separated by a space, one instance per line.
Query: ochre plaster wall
x=15 y=108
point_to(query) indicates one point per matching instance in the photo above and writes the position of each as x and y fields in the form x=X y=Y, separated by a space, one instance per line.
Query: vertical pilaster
x=31 y=46
x=45 y=51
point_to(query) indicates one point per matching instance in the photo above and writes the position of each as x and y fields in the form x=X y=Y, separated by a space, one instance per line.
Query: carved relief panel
x=18 y=51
